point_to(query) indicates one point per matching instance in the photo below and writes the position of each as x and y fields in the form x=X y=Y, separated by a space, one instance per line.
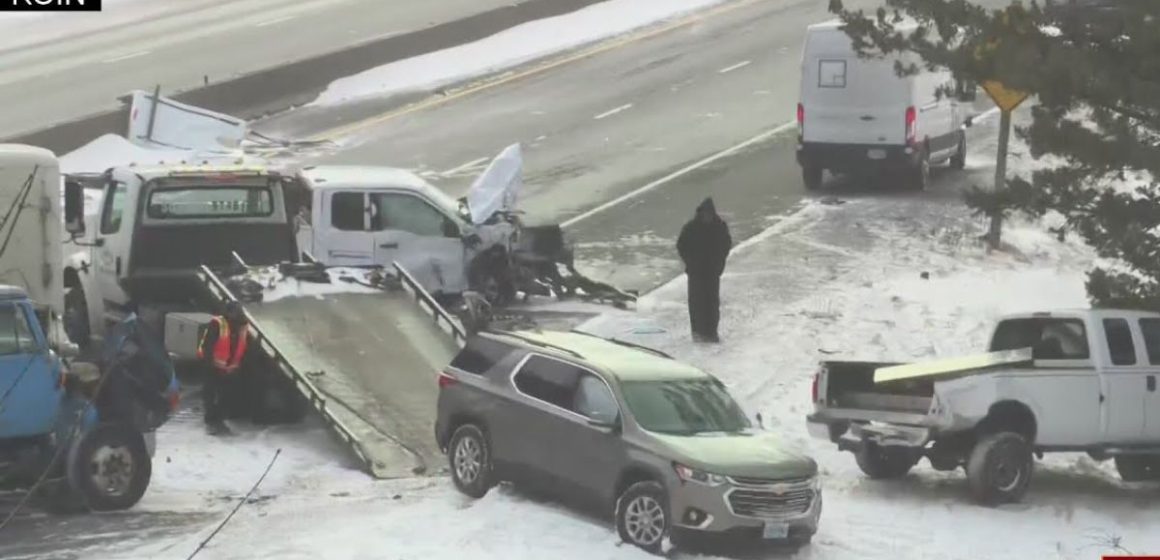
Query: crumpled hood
x=498 y=187
x=756 y=454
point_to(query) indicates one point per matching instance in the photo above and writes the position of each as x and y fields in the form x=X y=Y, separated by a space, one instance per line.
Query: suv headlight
x=689 y=474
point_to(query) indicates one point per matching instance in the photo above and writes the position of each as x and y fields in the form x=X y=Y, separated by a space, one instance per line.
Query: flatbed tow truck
x=175 y=242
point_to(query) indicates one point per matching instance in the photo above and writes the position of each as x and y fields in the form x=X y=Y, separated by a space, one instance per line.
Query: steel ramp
x=367 y=362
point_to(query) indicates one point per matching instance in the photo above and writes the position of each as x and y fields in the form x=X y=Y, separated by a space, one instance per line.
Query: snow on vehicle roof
x=620 y=360
x=26 y=152
x=12 y=292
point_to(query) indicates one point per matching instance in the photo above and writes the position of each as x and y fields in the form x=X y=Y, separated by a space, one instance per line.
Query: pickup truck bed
x=850 y=385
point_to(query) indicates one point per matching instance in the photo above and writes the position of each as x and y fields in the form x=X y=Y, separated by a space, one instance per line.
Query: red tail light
x=814 y=387
x=911 y=120
x=801 y=119
x=446 y=380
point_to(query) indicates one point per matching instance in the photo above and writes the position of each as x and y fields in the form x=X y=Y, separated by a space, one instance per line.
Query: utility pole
x=996 y=228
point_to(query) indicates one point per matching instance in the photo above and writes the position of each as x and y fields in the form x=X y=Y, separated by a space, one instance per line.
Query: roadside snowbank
x=507 y=49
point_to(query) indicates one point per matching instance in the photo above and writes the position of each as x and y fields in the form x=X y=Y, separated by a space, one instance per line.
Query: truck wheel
x=110 y=467
x=1138 y=468
x=642 y=516
x=885 y=462
x=999 y=468
x=919 y=175
x=469 y=456
x=812 y=177
x=959 y=160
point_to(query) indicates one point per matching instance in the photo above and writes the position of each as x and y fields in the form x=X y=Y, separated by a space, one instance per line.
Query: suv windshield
x=683 y=407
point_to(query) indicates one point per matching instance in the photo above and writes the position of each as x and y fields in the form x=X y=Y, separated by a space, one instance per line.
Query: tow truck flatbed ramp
x=367 y=362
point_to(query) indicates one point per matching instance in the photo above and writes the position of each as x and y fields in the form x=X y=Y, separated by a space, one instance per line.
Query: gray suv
x=624 y=429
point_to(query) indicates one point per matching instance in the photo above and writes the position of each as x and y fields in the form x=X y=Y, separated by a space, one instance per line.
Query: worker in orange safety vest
x=222 y=346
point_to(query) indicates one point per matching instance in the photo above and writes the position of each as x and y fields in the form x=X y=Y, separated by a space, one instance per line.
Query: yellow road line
x=697 y=17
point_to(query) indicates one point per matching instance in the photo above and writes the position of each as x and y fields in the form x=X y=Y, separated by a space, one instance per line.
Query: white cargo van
x=857 y=116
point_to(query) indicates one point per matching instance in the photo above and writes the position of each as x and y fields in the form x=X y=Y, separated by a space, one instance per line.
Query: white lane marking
x=125 y=57
x=609 y=113
x=680 y=172
x=274 y=21
x=467 y=165
x=737 y=66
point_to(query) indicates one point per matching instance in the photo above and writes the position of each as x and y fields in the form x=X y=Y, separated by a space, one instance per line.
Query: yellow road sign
x=1006 y=99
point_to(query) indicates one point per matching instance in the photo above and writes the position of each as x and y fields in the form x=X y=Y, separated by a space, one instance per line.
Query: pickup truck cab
x=1076 y=380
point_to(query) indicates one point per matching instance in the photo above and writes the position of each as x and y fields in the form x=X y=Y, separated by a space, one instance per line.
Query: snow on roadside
x=507 y=49
x=849 y=284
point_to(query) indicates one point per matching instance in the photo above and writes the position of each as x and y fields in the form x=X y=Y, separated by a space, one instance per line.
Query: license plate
x=775 y=531
x=876 y=154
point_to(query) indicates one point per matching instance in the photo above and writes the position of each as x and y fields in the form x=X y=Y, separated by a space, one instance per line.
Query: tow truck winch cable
x=16 y=208
x=245 y=499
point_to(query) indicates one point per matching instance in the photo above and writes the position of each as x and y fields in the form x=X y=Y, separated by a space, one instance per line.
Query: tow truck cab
x=155 y=226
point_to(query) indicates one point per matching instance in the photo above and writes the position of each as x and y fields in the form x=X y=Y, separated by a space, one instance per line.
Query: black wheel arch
x=632 y=474
x=1009 y=416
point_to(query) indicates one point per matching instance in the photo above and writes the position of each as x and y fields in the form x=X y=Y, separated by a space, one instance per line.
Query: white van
x=857 y=116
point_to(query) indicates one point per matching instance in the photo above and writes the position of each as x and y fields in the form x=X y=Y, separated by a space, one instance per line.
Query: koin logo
x=50 y=5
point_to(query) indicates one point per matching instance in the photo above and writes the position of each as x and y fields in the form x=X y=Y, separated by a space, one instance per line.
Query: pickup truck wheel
x=110 y=467
x=999 y=468
x=1138 y=468
x=469 y=456
x=879 y=462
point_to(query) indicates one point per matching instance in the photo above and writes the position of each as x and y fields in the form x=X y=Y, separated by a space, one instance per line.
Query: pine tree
x=1095 y=78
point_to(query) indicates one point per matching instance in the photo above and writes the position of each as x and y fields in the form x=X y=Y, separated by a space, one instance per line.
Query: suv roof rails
x=625 y=343
x=534 y=342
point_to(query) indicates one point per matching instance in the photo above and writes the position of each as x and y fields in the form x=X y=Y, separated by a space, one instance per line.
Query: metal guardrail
x=317 y=398
x=442 y=318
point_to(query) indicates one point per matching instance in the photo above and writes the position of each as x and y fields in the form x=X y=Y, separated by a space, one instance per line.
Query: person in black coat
x=704 y=246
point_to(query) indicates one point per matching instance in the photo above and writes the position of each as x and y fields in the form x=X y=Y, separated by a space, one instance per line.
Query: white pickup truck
x=1078 y=381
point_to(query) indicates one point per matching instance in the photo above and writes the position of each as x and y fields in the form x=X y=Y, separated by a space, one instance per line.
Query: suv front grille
x=774 y=499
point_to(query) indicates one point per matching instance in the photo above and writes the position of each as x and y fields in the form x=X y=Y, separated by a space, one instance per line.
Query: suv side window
x=1120 y=345
x=594 y=399
x=549 y=380
x=480 y=354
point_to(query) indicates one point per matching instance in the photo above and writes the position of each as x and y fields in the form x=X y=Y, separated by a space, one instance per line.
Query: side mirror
x=450 y=229
x=605 y=424
x=74 y=208
x=969 y=122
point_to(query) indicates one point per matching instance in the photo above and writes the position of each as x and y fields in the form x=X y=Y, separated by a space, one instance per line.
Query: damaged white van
x=857 y=116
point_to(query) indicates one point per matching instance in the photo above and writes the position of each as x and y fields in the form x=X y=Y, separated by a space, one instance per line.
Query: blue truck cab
x=77 y=432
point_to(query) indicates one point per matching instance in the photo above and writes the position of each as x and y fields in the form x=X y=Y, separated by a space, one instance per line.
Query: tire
x=643 y=518
x=1138 y=468
x=469 y=460
x=812 y=177
x=110 y=468
x=999 y=468
x=959 y=160
x=883 y=463
x=76 y=317
x=919 y=175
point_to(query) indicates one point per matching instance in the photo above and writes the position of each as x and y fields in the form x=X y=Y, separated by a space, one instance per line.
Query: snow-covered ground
x=838 y=279
x=508 y=49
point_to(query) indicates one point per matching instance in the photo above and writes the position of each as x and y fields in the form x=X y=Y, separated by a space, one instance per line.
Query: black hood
x=707 y=206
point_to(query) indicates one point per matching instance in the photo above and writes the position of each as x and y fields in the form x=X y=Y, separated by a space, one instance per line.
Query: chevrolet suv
x=626 y=429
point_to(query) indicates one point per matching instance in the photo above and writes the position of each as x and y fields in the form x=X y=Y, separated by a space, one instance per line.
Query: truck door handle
x=1152 y=383
x=867 y=117
x=389 y=246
